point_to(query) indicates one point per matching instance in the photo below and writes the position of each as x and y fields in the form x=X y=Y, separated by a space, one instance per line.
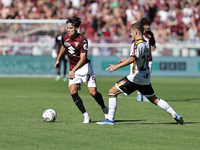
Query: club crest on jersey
x=76 y=44
x=121 y=82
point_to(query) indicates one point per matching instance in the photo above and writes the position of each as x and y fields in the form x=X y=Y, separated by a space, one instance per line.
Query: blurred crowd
x=171 y=19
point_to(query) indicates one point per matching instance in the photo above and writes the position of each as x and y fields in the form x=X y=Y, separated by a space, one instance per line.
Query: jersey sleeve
x=84 y=45
x=134 y=51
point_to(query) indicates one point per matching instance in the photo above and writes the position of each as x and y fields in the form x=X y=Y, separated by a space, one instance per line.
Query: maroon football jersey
x=74 y=47
x=149 y=38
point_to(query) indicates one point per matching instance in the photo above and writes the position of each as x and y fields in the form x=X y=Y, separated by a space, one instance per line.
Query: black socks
x=79 y=103
x=99 y=99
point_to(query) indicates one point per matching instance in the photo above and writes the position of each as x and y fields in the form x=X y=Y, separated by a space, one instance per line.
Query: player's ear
x=135 y=33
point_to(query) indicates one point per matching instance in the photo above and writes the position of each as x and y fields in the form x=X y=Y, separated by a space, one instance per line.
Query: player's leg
x=122 y=86
x=73 y=89
x=99 y=99
x=91 y=83
x=165 y=106
x=139 y=96
x=97 y=96
x=148 y=91
x=74 y=86
x=113 y=92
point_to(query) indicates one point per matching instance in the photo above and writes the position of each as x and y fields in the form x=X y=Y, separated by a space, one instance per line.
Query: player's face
x=133 y=34
x=71 y=30
x=146 y=27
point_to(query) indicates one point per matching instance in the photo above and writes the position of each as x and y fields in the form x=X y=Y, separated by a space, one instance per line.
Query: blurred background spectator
x=111 y=19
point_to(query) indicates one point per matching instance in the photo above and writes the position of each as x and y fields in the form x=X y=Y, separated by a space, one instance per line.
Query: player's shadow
x=131 y=122
x=135 y=122
x=186 y=100
x=123 y=121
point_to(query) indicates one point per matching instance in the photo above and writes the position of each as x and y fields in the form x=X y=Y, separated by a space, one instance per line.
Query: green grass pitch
x=139 y=125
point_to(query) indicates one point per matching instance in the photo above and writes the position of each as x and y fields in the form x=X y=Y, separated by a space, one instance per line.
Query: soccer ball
x=49 y=115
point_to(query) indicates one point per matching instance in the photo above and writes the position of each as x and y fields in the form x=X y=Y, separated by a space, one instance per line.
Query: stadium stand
x=112 y=18
x=109 y=20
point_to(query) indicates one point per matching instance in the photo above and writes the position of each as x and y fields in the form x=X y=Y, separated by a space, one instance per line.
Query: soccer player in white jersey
x=138 y=79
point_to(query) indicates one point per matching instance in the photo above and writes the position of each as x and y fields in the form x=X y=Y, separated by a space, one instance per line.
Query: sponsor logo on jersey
x=76 y=44
x=67 y=44
x=121 y=82
x=71 y=50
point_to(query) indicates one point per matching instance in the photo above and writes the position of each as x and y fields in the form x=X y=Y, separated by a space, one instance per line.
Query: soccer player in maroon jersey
x=149 y=38
x=76 y=46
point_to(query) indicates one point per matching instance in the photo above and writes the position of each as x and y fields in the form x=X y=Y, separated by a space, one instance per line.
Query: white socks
x=85 y=114
x=164 y=105
x=112 y=106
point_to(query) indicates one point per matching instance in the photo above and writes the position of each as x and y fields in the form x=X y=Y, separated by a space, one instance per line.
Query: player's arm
x=81 y=62
x=62 y=50
x=122 y=64
x=152 y=42
x=122 y=59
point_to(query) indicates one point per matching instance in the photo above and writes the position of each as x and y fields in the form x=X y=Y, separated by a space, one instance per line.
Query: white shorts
x=84 y=74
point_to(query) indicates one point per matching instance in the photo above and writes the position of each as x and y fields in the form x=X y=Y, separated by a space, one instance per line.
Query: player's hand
x=71 y=75
x=122 y=59
x=57 y=64
x=111 y=68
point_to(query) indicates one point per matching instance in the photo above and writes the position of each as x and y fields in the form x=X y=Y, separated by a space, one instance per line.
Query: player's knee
x=72 y=91
x=93 y=93
x=153 y=99
x=111 y=91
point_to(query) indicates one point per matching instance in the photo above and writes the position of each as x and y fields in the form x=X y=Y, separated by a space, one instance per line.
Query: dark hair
x=138 y=26
x=145 y=21
x=75 y=21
